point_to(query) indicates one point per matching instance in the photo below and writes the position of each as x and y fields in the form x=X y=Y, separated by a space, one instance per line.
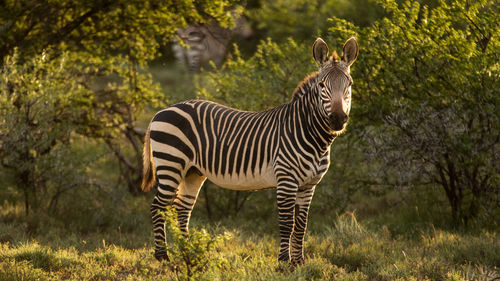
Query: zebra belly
x=264 y=180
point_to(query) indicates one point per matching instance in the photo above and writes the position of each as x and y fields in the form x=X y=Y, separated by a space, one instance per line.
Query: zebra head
x=334 y=81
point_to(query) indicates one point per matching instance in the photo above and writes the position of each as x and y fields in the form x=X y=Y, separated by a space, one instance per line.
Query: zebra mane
x=304 y=86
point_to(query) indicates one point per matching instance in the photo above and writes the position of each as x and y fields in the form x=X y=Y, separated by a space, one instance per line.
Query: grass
x=343 y=249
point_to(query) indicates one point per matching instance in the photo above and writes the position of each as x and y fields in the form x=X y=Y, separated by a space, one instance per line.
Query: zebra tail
x=148 y=172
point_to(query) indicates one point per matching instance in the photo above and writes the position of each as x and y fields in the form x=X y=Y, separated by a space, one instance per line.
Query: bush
x=304 y=20
x=190 y=254
x=429 y=83
x=39 y=112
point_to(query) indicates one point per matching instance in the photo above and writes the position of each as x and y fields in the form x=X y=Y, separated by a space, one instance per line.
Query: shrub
x=429 y=83
x=190 y=254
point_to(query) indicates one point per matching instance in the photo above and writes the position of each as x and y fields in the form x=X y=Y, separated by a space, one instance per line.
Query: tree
x=304 y=20
x=429 y=82
x=102 y=28
x=78 y=67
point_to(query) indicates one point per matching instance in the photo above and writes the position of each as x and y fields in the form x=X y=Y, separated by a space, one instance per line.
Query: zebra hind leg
x=186 y=197
x=168 y=179
x=160 y=203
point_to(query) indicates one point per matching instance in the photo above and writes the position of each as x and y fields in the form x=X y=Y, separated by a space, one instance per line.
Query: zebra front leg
x=285 y=196
x=304 y=198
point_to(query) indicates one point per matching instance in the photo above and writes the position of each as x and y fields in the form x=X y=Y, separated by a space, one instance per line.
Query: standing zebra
x=287 y=148
x=206 y=43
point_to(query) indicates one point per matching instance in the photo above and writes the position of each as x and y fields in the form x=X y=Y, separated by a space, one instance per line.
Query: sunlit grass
x=345 y=250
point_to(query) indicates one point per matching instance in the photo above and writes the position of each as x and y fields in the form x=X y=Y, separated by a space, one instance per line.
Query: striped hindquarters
x=232 y=148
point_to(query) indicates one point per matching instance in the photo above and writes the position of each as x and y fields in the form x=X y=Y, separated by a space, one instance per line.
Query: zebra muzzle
x=337 y=121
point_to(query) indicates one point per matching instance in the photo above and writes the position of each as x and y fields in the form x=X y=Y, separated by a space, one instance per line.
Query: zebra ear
x=320 y=51
x=350 y=52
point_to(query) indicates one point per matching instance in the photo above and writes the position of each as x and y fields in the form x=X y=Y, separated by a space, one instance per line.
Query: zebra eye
x=321 y=85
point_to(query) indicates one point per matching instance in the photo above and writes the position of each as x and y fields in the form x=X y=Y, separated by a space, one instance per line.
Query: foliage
x=347 y=175
x=101 y=28
x=261 y=82
x=192 y=253
x=39 y=112
x=304 y=20
x=78 y=67
x=45 y=101
x=429 y=82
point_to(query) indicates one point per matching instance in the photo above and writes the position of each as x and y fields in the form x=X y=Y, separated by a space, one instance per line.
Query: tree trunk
x=24 y=179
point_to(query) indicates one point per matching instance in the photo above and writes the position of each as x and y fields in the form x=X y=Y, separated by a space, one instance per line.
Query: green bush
x=428 y=86
x=265 y=80
x=39 y=112
x=304 y=20
x=191 y=253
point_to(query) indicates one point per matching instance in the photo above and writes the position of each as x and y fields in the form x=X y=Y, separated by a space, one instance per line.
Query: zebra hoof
x=161 y=256
x=297 y=262
x=284 y=258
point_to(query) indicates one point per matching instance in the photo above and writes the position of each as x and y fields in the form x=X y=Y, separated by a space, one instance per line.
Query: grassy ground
x=48 y=248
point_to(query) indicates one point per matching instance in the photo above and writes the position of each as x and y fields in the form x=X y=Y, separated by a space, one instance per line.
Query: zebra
x=286 y=147
x=206 y=43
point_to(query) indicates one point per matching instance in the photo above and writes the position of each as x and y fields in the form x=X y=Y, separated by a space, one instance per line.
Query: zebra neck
x=320 y=122
x=314 y=120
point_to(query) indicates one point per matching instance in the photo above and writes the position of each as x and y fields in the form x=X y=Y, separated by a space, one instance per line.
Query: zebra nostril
x=344 y=118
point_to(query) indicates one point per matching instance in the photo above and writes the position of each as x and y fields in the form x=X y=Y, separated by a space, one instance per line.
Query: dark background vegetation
x=417 y=169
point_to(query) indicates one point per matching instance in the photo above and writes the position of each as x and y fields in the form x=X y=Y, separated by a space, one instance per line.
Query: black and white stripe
x=287 y=147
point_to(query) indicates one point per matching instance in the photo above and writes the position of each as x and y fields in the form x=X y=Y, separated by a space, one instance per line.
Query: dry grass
x=344 y=250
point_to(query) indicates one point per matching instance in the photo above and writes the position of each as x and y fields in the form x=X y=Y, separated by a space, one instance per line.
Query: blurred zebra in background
x=206 y=43
x=286 y=147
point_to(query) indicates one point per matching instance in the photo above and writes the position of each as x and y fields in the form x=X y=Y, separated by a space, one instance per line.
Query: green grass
x=343 y=249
